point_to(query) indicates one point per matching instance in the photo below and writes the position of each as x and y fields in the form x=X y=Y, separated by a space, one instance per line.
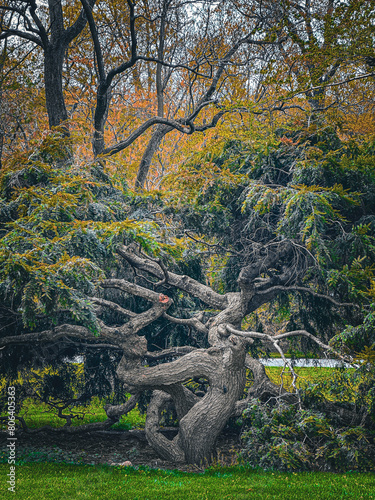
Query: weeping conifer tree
x=260 y=246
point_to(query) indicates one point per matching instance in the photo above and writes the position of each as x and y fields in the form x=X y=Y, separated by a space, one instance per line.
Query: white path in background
x=299 y=363
x=306 y=363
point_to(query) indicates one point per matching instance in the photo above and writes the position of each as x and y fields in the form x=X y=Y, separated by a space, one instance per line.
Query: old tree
x=261 y=240
x=176 y=296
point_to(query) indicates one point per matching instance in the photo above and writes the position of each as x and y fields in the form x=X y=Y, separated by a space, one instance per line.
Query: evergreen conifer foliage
x=59 y=225
x=266 y=242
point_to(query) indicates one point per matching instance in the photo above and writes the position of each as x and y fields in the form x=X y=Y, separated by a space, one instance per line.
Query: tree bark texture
x=200 y=419
x=160 y=132
x=55 y=102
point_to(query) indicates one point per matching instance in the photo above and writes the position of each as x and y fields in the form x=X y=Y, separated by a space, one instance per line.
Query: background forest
x=185 y=188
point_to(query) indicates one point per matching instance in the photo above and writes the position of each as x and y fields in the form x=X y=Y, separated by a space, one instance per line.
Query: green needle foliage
x=306 y=186
x=60 y=225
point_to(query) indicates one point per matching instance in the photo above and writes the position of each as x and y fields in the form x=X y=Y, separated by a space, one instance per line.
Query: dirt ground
x=109 y=447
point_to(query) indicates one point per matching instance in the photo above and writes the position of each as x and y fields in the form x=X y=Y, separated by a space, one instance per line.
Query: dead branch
x=112 y=305
x=194 y=322
x=275 y=339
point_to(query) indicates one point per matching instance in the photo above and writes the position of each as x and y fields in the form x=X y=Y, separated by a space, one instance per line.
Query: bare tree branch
x=133 y=289
x=203 y=292
x=276 y=338
x=21 y=34
x=76 y=28
x=178 y=125
x=57 y=333
x=275 y=289
x=112 y=305
x=194 y=322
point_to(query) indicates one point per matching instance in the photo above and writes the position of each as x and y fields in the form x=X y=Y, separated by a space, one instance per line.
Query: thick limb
x=262 y=388
x=203 y=292
x=167 y=449
x=201 y=419
x=198 y=363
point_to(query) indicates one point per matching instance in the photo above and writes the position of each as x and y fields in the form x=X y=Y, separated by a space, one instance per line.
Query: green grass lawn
x=38 y=414
x=311 y=374
x=67 y=482
x=51 y=481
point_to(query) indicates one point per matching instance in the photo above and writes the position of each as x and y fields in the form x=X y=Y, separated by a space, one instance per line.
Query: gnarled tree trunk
x=201 y=420
x=223 y=364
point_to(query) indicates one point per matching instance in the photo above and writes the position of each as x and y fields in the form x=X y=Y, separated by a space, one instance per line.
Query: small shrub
x=290 y=438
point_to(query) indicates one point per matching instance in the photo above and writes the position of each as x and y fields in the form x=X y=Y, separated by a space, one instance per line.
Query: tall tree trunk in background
x=53 y=68
x=160 y=132
x=53 y=37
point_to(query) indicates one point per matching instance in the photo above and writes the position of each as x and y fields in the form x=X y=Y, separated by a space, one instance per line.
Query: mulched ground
x=108 y=447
